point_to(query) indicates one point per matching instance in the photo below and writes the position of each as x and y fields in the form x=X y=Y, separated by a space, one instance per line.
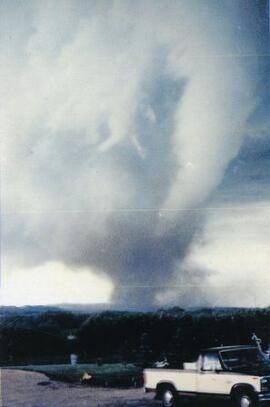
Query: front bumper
x=264 y=396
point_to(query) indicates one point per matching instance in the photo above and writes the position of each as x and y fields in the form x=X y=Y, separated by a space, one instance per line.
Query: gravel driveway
x=29 y=389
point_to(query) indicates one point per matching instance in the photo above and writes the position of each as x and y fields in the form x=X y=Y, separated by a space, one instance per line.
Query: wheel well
x=241 y=388
x=161 y=386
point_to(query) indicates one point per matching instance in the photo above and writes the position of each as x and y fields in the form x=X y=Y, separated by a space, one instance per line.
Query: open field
x=30 y=389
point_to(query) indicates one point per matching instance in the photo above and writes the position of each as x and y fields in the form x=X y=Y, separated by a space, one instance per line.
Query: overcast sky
x=135 y=164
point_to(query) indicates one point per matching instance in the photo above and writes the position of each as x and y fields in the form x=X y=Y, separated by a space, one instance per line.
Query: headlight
x=265 y=384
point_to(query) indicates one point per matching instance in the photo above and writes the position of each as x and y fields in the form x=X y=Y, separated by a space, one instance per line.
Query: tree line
x=140 y=337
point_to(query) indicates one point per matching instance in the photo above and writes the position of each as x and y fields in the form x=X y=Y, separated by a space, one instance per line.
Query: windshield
x=243 y=358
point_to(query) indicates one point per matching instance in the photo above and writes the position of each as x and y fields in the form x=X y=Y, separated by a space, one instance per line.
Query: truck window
x=211 y=362
x=233 y=359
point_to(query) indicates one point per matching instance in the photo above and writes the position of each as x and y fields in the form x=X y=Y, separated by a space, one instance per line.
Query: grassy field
x=111 y=375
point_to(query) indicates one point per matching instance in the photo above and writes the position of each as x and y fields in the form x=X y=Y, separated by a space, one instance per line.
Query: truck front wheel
x=246 y=399
x=169 y=397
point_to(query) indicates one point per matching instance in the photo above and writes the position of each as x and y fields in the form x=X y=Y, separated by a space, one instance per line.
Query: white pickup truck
x=238 y=373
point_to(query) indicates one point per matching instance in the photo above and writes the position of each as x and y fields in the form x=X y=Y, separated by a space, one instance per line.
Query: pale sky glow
x=53 y=283
x=236 y=248
x=123 y=121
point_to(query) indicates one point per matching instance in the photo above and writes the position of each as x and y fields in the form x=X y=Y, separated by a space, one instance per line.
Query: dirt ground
x=28 y=389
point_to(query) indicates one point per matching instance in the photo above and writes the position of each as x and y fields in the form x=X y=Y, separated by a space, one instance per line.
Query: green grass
x=114 y=374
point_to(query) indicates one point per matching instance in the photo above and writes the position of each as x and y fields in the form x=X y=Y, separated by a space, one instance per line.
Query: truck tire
x=169 y=397
x=246 y=399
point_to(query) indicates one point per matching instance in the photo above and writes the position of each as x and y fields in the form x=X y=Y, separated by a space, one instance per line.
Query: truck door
x=210 y=377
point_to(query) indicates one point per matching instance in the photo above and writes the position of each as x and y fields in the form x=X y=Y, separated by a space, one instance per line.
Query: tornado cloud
x=121 y=119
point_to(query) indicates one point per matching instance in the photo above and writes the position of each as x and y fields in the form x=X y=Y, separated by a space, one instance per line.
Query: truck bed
x=183 y=379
